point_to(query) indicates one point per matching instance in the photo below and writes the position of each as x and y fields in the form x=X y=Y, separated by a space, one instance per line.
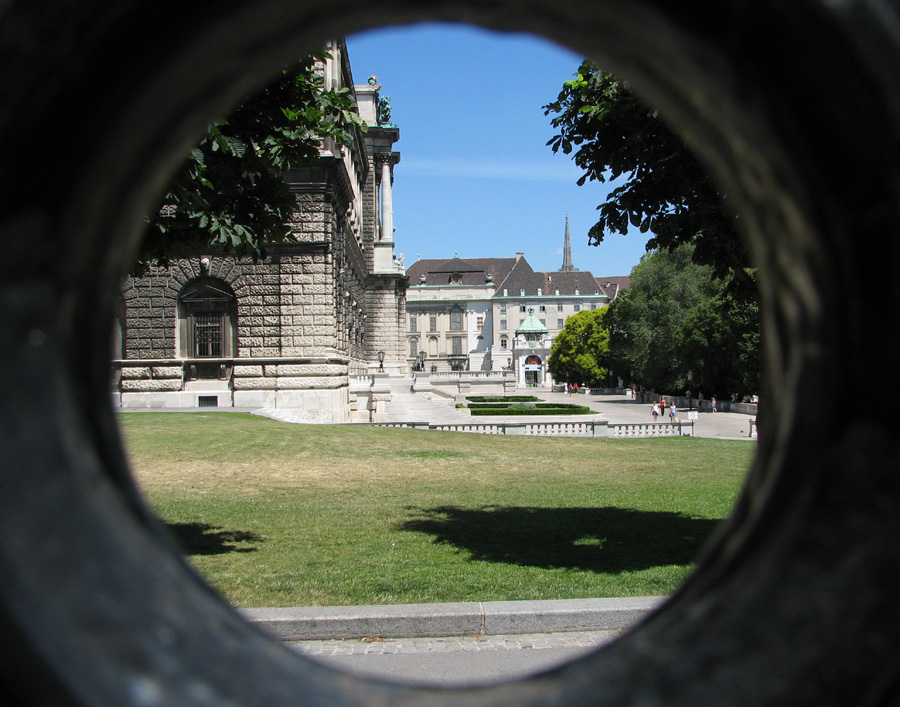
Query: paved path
x=457 y=661
x=477 y=642
x=419 y=407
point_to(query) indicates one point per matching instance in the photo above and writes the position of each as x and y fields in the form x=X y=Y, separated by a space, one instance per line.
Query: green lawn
x=275 y=514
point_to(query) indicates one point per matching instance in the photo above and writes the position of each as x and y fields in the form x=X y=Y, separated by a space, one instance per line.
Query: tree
x=678 y=327
x=665 y=193
x=231 y=192
x=580 y=351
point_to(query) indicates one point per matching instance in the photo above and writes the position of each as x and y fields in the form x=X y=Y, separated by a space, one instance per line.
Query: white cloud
x=491 y=169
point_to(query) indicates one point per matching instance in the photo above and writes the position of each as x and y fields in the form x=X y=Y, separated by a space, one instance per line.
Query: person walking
x=673 y=412
x=700 y=401
x=715 y=404
x=655 y=411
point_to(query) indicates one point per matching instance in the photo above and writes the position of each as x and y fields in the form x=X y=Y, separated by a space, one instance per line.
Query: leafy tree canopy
x=230 y=192
x=580 y=352
x=665 y=192
x=678 y=327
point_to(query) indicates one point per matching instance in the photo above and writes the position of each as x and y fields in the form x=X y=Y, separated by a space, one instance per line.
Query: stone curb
x=462 y=619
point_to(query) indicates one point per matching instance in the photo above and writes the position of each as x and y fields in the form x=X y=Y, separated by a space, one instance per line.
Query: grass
x=274 y=514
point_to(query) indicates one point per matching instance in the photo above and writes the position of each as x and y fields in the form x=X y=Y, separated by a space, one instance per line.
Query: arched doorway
x=534 y=371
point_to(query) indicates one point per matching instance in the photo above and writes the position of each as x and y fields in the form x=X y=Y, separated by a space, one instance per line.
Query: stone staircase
x=406 y=406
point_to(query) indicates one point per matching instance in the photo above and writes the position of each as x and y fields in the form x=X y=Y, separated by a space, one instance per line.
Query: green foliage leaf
x=230 y=191
x=666 y=193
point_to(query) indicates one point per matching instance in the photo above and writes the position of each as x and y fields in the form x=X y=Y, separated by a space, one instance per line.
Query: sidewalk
x=453 y=645
x=461 y=619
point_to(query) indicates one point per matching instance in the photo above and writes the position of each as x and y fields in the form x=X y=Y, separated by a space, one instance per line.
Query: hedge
x=523 y=410
x=502 y=399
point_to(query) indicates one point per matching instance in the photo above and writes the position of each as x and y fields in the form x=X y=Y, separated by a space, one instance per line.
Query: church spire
x=567 y=251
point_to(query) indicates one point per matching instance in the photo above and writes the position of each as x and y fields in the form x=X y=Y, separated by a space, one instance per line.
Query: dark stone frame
x=793 y=107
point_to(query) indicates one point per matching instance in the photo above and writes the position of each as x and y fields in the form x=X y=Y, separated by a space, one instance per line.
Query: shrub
x=529 y=410
x=503 y=399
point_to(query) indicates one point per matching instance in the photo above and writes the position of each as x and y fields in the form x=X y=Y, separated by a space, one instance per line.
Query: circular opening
x=805 y=544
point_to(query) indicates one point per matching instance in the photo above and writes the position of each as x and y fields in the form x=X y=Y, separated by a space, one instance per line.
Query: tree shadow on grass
x=205 y=539
x=607 y=540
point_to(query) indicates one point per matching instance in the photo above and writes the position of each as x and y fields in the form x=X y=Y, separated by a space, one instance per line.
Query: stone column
x=387 y=198
x=383 y=256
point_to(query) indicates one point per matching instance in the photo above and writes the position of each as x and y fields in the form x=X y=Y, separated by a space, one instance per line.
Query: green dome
x=531 y=326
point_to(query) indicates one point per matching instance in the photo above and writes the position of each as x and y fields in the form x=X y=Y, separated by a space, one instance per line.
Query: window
x=479 y=323
x=206 y=319
x=559 y=307
x=502 y=324
x=560 y=323
x=503 y=308
x=578 y=306
x=456 y=343
x=456 y=319
x=504 y=342
x=412 y=323
x=521 y=307
x=432 y=346
x=543 y=322
x=543 y=307
x=593 y=305
x=432 y=322
x=207 y=335
x=413 y=347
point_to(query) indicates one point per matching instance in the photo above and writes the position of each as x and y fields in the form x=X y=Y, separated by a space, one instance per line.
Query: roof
x=513 y=275
x=613 y=285
x=471 y=271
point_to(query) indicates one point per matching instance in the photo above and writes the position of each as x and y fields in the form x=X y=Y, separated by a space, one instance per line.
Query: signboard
x=693 y=415
x=532 y=366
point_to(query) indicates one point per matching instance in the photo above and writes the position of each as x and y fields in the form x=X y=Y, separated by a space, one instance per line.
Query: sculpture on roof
x=384 y=112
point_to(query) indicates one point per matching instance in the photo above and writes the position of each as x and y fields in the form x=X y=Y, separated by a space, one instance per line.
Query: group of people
x=660 y=409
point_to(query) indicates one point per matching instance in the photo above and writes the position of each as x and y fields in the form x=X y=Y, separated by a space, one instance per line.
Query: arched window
x=207 y=314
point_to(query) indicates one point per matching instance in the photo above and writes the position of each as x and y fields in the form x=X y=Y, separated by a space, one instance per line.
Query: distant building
x=483 y=314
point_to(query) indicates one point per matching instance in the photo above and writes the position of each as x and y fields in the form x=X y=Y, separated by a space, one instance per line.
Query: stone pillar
x=387 y=198
x=383 y=256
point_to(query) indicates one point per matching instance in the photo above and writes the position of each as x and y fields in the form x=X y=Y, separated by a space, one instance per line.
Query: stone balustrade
x=593 y=428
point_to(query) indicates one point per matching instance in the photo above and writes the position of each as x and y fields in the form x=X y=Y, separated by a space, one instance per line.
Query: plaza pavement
x=625 y=409
x=430 y=408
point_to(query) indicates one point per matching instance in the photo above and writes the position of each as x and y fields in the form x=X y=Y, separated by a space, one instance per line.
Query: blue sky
x=476 y=177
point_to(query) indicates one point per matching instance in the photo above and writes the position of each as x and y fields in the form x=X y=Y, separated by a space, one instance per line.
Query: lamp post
x=381 y=360
x=421 y=360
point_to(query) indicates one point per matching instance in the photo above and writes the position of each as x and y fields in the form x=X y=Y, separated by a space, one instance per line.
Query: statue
x=384 y=111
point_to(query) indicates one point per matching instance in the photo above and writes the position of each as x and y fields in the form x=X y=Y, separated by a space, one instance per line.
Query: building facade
x=292 y=330
x=481 y=314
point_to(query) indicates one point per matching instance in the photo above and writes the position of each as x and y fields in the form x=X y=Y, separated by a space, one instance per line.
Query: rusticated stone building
x=292 y=330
